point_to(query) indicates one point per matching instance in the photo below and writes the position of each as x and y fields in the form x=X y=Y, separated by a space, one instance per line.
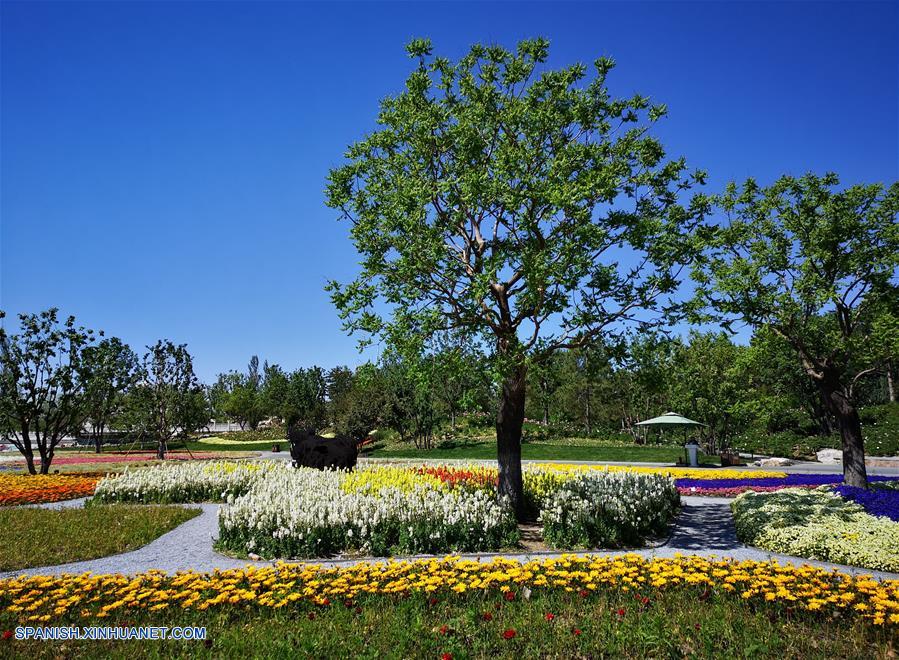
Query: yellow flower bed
x=86 y=596
x=373 y=479
x=676 y=472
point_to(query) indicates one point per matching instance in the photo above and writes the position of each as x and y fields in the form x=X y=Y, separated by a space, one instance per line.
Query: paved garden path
x=704 y=527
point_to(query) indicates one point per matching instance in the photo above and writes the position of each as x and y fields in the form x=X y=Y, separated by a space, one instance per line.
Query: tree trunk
x=841 y=407
x=161 y=450
x=45 y=459
x=509 y=422
x=587 y=410
x=98 y=439
x=27 y=452
x=891 y=388
x=453 y=419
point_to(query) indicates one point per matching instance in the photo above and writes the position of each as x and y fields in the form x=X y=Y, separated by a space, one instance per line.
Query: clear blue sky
x=163 y=163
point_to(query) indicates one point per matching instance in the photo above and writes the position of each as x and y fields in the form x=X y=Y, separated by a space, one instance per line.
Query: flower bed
x=817 y=524
x=878 y=501
x=18 y=489
x=89 y=597
x=309 y=513
x=122 y=457
x=182 y=483
x=608 y=509
x=717 y=487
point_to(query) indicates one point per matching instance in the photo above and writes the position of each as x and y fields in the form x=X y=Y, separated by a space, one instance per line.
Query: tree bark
x=98 y=439
x=509 y=422
x=160 y=451
x=46 y=458
x=844 y=411
x=891 y=388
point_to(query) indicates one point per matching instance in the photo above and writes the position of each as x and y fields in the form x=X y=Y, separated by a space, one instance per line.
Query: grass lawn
x=546 y=451
x=549 y=625
x=43 y=537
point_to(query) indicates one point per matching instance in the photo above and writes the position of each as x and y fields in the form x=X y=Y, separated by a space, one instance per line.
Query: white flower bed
x=184 y=482
x=306 y=513
x=597 y=509
x=275 y=510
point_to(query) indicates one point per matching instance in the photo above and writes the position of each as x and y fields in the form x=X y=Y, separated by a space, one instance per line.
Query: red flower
x=311 y=616
x=645 y=600
x=444 y=629
x=348 y=604
x=7 y=634
x=583 y=593
x=326 y=602
x=358 y=610
x=549 y=616
x=576 y=631
x=446 y=656
x=487 y=616
x=621 y=611
x=509 y=595
x=508 y=634
x=697 y=626
x=432 y=601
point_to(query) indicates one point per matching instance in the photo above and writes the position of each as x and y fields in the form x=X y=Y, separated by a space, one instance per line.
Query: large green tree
x=42 y=379
x=812 y=263
x=508 y=200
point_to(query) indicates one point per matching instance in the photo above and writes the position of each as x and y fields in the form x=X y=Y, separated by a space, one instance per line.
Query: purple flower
x=876 y=502
x=809 y=480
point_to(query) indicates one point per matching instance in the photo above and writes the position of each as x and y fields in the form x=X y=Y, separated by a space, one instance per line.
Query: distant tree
x=409 y=398
x=779 y=394
x=458 y=367
x=707 y=385
x=812 y=263
x=339 y=381
x=218 y=394
x=110 y=369
x=360 y=410
x=167 y=399
x=497 y=197
x=246 y=402
x=306 y=404
x=544 y=380
x=42 y=384
x=275 y=385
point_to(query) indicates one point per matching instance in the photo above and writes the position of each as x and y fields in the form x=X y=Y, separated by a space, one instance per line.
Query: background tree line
x=60 y=379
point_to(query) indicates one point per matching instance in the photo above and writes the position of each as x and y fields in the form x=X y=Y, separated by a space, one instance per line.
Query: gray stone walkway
x=704 y=527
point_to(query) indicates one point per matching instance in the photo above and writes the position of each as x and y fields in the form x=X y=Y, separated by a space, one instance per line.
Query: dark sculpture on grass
x=307 y=449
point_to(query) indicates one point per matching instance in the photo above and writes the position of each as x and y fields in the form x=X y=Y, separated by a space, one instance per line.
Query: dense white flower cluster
x=308 y=513
x=608 y=509
x=817 y=524
x=183 y=482
x=275 y=510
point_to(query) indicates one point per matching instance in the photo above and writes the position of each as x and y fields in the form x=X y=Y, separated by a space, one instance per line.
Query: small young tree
x=811 y=263
x=528 y=207
x=110 y=369
x=41 y=384
x=167 y=398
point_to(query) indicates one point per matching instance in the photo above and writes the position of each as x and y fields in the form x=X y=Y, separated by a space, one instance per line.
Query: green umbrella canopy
x=670 y=419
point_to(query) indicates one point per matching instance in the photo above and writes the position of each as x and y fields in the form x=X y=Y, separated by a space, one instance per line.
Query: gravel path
x=704 y=527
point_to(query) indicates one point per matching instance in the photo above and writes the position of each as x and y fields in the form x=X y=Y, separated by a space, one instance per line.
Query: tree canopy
x=523 y=205
x=815 y=265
